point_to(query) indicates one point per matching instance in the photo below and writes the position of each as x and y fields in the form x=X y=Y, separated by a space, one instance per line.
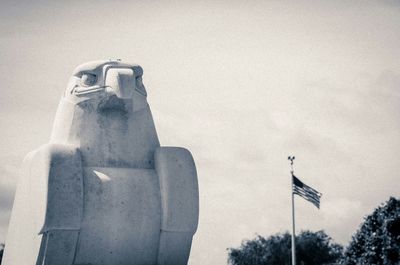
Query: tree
x=378 y=239
x=311 y=248
x=1 y=252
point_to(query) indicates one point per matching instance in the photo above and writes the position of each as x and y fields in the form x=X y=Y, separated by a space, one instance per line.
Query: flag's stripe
x=311 y=195
x=306 y=187
x=307 y=196
x=312 y=200
x=307 y=193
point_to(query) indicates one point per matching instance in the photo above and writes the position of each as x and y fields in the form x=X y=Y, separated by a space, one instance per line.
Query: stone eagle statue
x=103 y=191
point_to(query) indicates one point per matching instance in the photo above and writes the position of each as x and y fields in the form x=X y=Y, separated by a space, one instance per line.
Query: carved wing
x=47 y=208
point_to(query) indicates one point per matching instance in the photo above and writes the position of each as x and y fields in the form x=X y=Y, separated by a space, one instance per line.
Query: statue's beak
x=121 y=82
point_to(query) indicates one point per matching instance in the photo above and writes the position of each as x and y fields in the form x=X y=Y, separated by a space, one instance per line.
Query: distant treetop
x=378 y=239
x=311 y=248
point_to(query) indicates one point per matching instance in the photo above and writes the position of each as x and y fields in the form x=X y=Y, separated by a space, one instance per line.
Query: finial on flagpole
x=291 y=158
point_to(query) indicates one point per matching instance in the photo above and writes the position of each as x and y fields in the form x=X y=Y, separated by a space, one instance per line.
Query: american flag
x=306 y=191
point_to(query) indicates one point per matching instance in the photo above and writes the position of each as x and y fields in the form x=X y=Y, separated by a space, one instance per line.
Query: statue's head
x=104 y=112
x=107 y=86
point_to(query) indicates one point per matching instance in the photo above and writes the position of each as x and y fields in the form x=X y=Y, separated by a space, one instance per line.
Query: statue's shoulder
x=55 y=171
x=52 y=151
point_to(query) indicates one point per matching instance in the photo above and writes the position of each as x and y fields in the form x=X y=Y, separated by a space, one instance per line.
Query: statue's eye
x=88 y=79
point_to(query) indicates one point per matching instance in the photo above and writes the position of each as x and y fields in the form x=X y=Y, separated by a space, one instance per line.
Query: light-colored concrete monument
x=103 y=191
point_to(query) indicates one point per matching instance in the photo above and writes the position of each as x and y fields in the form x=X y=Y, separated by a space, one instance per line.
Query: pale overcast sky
x=242 y=84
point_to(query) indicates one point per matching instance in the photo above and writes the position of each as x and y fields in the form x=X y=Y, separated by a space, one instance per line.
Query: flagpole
x=293 y=223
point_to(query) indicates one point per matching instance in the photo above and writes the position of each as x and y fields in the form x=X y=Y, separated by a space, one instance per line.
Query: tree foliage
x=378 y=239
x=311 y=248
x=1 y=252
